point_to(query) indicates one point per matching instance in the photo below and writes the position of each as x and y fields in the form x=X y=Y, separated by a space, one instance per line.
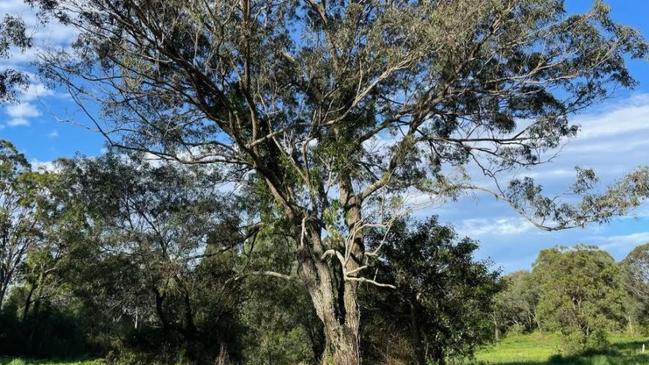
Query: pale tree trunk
x=3 y=290
x=335 y=302
x=333 y=293
x=341 y=326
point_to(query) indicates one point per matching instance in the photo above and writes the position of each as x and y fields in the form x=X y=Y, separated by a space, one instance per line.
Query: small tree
x=582 y=294
x=335 y=106
x=160 y=252
x=635 y=269
x=443 y=300
x=516 y=304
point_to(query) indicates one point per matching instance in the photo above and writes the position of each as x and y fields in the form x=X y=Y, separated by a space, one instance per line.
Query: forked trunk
x=335 y=302
x=341 y=329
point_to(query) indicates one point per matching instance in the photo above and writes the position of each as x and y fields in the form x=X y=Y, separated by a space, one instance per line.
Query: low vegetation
x=21 y=361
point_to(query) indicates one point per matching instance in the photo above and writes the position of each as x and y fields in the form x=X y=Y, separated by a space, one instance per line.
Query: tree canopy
x=327 y=112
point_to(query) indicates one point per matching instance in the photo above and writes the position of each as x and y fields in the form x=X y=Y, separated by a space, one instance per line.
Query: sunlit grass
x=543 y=349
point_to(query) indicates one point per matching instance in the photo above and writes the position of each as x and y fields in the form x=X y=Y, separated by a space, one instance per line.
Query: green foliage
x=516 y=304
x=12 y=34
x=20 y=361
x=57 y=332
x=577 y=343
x=277 y=92
x=18 y=221
x=635 y=271
x=280 y=324
x=581 y=292
x=443 y=301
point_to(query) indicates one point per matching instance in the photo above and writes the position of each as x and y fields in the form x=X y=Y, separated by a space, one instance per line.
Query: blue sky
x=614 y=139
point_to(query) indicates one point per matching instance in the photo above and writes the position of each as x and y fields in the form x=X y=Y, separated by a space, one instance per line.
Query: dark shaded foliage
x=443 y=302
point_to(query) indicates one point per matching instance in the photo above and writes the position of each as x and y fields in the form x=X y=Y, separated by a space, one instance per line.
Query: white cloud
x=622 y=241
x=613 y=141
x=476 y=227
x=34 y=91
x=44 y=165
x=628 y=116
x=53 y=134
x=18 y=122
x=19 y=114
x=22 y=110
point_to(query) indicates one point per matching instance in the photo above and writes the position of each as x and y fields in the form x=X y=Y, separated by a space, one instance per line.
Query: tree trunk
x=28 y=302
x=496 y=328
x=342 y=335
x=340 y=319
x=4 y=284
x=420 y=351
x=335 y=302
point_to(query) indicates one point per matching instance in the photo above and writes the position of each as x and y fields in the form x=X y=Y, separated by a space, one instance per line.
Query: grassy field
x=533 y=349
x=543 y=349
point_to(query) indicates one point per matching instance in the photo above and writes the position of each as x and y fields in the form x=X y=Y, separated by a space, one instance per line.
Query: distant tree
x=582 y=294
x=516 y=304
x=41 y=224
x=18 y=222
x=336 y=106
x=635 y=268
x=443 y=299
x=162 y=253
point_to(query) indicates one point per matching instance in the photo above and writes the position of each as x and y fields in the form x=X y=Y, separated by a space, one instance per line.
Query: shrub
x=576 y=342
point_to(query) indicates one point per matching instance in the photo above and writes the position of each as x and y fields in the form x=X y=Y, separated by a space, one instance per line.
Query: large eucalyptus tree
x=337 y=106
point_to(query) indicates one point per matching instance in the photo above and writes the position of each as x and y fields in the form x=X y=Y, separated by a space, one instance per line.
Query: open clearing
x=543 y=349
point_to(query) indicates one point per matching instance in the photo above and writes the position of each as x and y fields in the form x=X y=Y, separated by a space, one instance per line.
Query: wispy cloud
x=624 y=117
x=18 y=122
x=22 y=110
x=19 y=114
x=614 y=140
x=34 y=91
x=478 y=227
x=626 y=241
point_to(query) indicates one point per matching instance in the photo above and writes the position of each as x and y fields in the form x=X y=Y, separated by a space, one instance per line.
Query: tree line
x=143 y=262
x=140 y=261
x=309 y=121
x=580 y=292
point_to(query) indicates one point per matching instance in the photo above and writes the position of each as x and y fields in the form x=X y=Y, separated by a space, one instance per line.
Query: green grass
x=532 y=349
x=543 y=349
x=17 y=361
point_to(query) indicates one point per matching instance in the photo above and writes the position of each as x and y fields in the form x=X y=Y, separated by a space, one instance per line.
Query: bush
x=49 y=333
x=516 y=329
x=577 y=343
